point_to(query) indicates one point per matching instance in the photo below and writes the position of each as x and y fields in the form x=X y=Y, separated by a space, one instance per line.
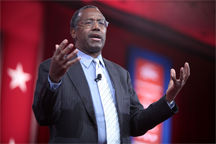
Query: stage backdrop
x=150 y=74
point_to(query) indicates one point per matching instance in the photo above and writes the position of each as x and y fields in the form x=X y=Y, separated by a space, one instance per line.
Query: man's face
x=90 y=40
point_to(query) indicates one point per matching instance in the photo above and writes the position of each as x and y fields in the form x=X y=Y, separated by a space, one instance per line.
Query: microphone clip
x=99 y=76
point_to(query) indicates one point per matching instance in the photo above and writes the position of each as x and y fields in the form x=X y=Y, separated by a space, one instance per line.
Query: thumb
x=173 y=75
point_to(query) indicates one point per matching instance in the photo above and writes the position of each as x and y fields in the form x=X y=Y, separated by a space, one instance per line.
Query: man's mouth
x=95 y=37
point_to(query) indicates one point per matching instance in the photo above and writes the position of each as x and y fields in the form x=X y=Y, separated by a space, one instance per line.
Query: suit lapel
x=78 y=78
x=114 y=75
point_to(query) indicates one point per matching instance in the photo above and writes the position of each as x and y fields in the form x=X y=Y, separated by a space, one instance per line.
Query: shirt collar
x=87 y=59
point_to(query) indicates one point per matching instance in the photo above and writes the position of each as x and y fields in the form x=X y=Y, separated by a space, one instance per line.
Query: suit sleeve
x=142 y=120
x=47 y=104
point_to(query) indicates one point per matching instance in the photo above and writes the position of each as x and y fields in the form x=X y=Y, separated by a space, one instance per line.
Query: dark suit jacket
x=69 y=112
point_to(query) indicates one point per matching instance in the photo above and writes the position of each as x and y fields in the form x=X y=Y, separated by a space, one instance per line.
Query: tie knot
x=97 y=61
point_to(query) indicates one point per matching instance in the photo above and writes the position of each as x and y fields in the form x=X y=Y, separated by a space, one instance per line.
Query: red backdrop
x=21 y=28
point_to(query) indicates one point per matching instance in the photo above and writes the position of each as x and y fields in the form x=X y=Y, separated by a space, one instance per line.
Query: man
x=69 y=98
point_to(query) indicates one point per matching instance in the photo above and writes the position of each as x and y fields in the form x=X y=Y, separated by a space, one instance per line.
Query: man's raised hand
x=175 y=85
x=60 y=63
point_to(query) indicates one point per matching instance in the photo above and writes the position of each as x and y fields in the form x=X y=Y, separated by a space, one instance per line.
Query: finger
x=70 y=63
x=56 y=46
x=187 y=71
x=173 y=74
x=61 y=46
x=181 y=74
x=65 y=51
x=187 y=67
x=171 y=80
x=72 y=54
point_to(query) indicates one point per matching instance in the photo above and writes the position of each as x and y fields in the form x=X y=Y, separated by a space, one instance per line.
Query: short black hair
x=75 y=17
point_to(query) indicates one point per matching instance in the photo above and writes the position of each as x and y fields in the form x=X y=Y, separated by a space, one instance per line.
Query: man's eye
x=88 y=22
x=100 y=22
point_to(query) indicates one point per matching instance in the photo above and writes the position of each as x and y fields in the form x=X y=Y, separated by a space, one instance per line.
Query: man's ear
x=73 y=33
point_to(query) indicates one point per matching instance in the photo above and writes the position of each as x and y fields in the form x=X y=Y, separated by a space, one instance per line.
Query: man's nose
x=95 y=25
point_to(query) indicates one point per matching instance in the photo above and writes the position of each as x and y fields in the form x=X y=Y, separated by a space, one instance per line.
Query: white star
x=18 y=78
